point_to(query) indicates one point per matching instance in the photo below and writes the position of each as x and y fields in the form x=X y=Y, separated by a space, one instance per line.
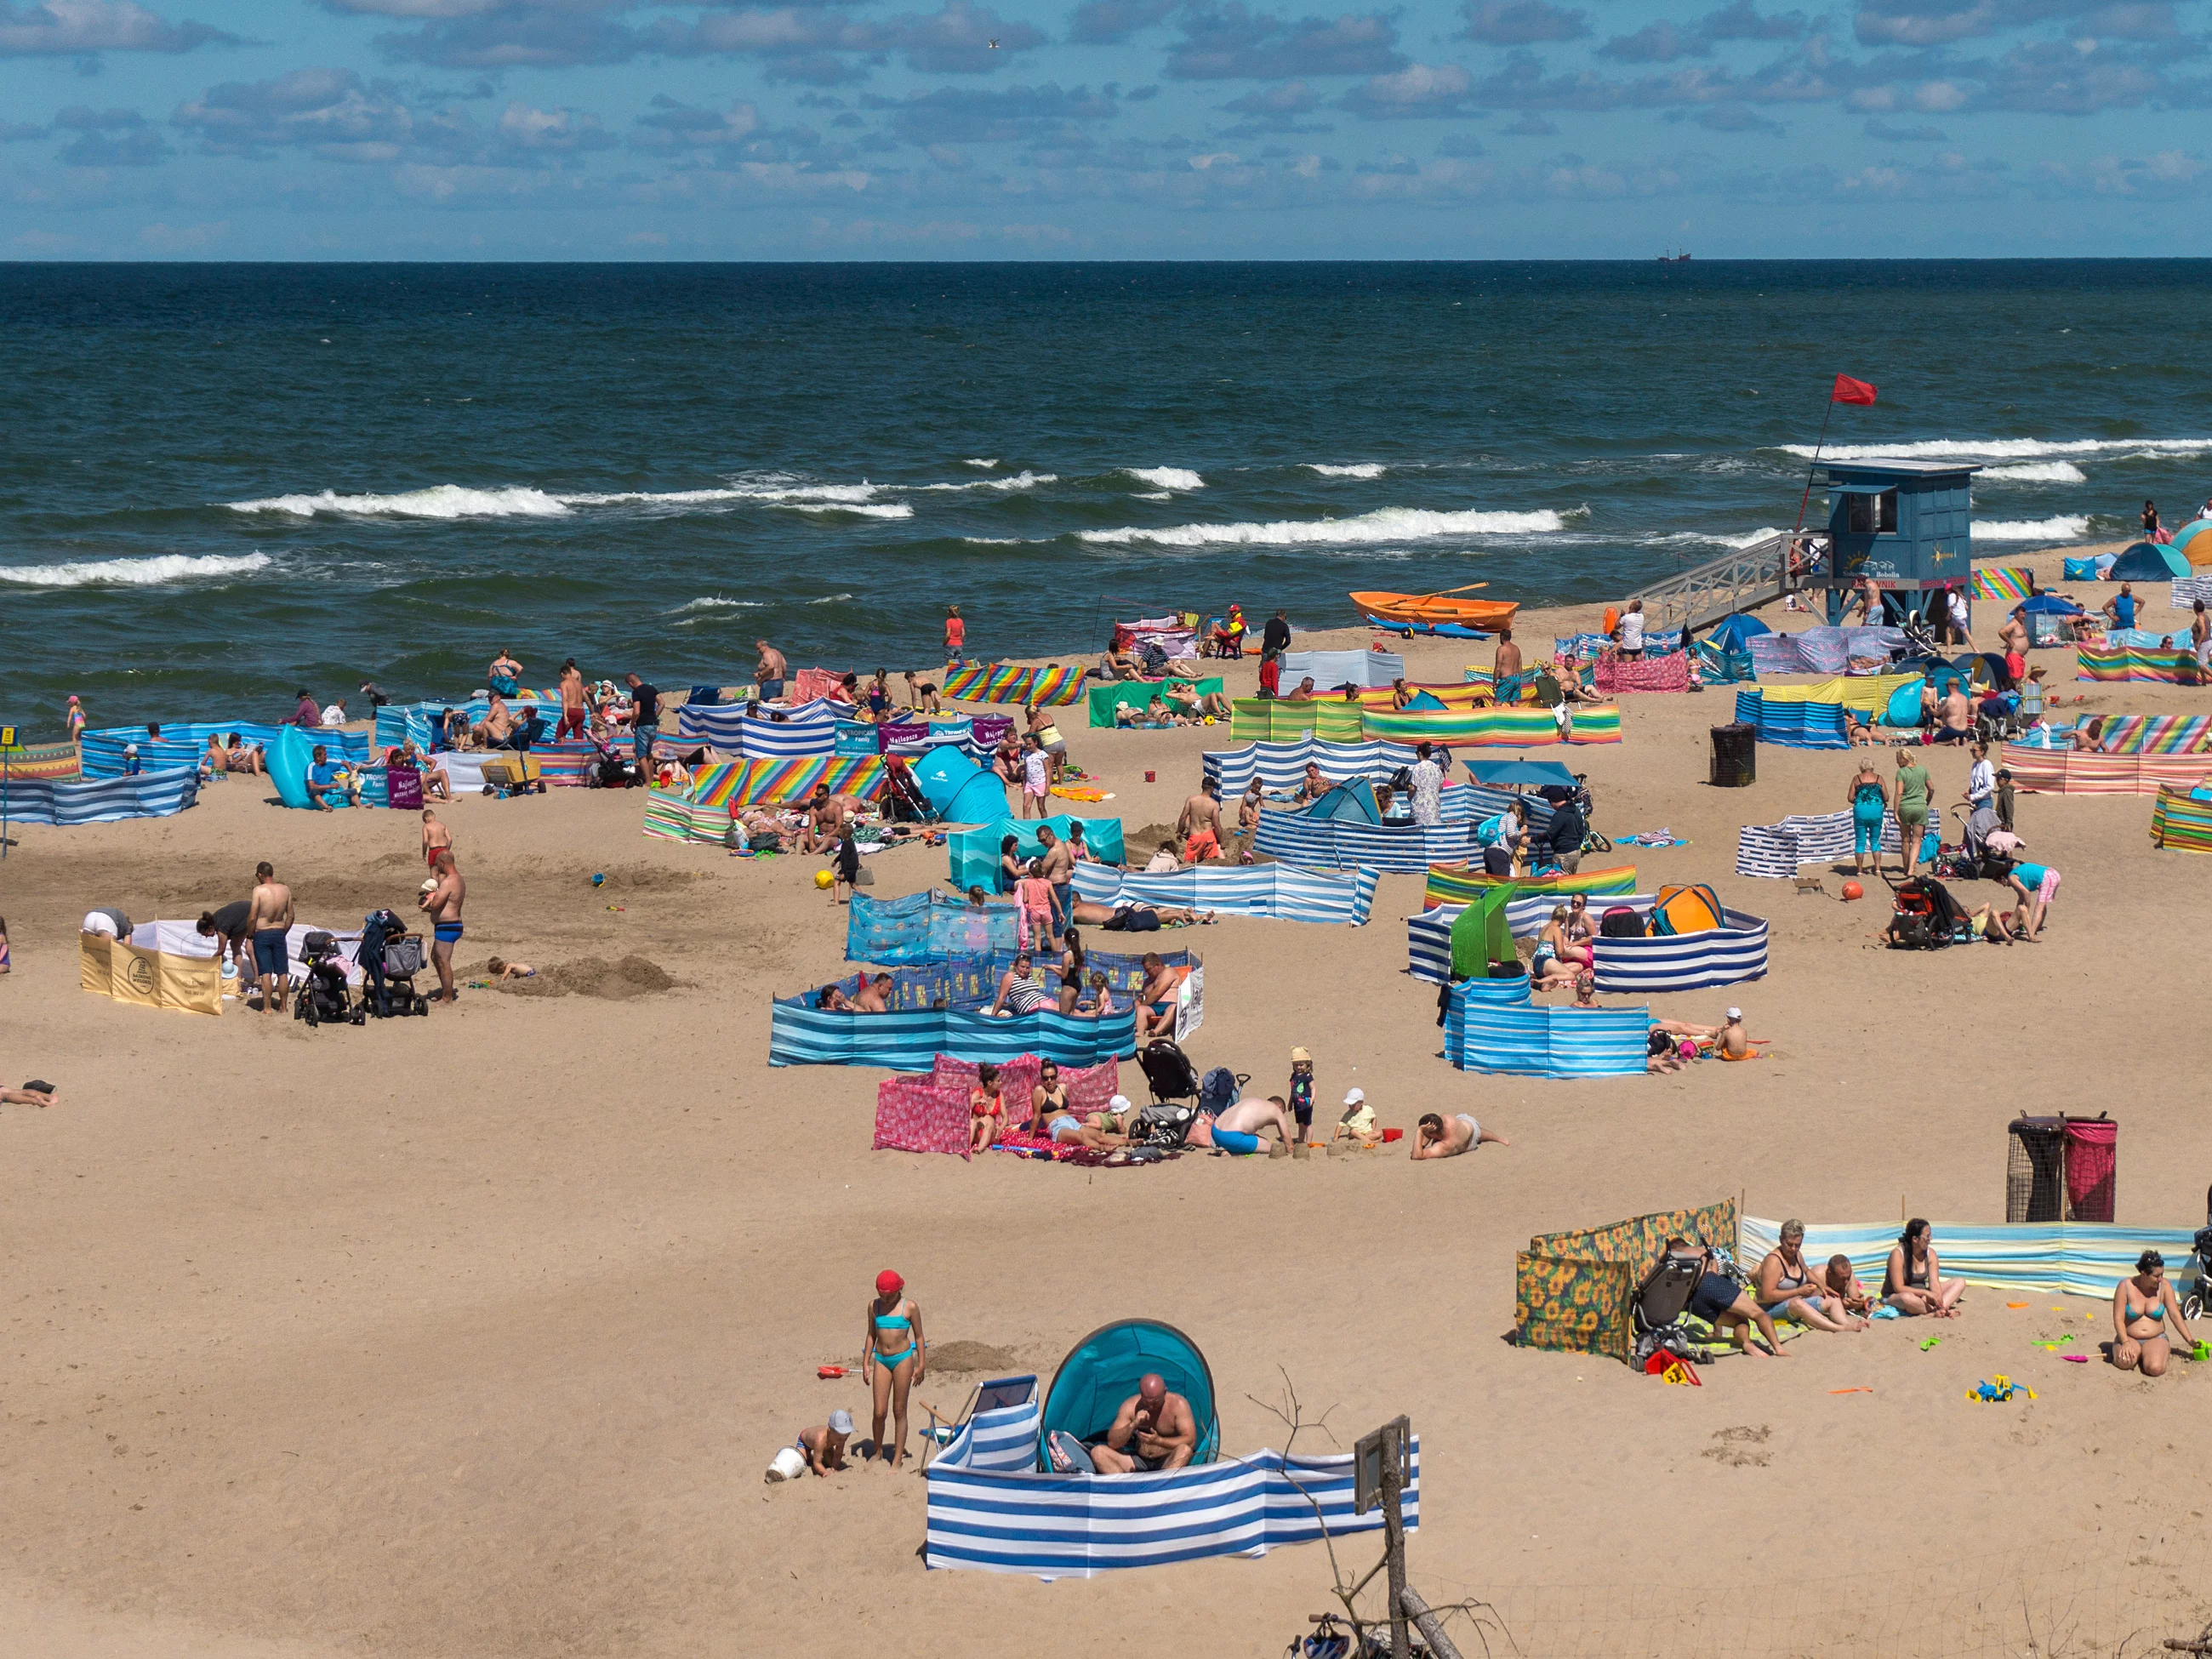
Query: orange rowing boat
x=1430 y=613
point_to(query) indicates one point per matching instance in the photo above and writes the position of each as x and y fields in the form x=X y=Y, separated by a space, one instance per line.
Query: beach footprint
x=1741 y=1447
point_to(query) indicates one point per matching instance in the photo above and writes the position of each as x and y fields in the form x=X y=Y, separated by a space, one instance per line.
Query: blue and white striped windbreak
x=1338 y=844
x=67 y=801
x=990 y=1509
x=1683 y=961
x=1281 y=891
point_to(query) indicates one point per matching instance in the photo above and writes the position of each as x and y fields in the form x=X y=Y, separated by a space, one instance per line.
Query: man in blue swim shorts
x=441 y=900
x=268 y=918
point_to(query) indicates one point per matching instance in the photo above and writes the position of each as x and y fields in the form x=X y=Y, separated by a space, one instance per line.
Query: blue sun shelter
x=1102 y=1370
x=1909 y=525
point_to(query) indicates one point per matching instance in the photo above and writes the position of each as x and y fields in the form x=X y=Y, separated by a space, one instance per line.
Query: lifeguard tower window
x=1873 y=516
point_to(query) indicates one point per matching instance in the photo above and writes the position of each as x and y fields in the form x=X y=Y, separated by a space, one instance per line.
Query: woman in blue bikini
x=897 y=1358
x=2141 y=1306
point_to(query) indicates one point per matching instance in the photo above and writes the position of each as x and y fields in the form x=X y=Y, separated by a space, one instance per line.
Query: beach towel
x=2009 y=583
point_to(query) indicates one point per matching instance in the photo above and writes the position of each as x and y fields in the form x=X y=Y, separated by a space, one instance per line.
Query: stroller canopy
x=1102 y=1370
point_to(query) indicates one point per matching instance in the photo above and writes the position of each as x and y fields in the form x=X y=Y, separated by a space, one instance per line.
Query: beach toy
x=829 y=1371
x=1858 y=1391
x=1997 y=1390
x=1852 y=891
x=1152 y=777
x=2074 y=1359
x=598 y=878
x=824 y=880
x=2015 y=1304
x=2201 y=1350
x=1930 y=1343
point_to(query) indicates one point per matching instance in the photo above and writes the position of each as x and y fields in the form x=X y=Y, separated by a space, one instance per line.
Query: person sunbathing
x=1155 y=1001
x=245 y=757
x=1912 y=1281
x=1664 y=1052
x=36 y=1092
x=1435 y=1137
x=1550 y=968
x=1842 y=1288
x=875 y=997
x=833 y=1000
x=1312 y=786
x=496 y=726
x=501 y=970
x=1048 y=1099
x=1018 y=993
x=1787 y=1288
x=1725 y=1305
x=1153 y=1430
x=1120 y=665
x=1187 y=701
x=1066 y=1130
x=1305 y=693
x=986 y=1111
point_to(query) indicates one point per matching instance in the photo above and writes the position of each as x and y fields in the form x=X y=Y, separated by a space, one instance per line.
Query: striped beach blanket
x=2181 y=823
x=1055 y=687
x=2066 y=772
x=2007 y=582
x=1456 y=884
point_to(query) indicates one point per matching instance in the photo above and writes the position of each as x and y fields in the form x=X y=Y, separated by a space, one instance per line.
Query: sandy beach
x=472 y=1335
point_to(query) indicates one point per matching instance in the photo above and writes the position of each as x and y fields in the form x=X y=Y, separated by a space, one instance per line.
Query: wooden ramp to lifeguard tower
x=1741 y=581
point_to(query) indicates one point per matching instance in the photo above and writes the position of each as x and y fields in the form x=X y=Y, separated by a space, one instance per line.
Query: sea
x=220 y=483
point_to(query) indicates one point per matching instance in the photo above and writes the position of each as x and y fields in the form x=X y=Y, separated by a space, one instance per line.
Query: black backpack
x=1621 y=922
x=1401 y=781
x=1664 y=1296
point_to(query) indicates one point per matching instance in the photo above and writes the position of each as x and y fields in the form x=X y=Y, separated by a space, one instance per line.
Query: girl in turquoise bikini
x=894 y=1359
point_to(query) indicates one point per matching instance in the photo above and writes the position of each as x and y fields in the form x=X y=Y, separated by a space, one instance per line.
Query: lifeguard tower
x=1909 y=525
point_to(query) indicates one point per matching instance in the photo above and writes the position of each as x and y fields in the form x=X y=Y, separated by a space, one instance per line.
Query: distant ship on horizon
x=1682 y=258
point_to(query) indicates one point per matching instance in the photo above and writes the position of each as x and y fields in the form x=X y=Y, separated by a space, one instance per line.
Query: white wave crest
x=134 y=573
x=829 y=599
x=1166 y=478
x=863 y=509
x=986 y=462
x=1388 y=524
x=1968 y=449
x=1020 y=481
x=1713 y=539
x=1353 y=470
x=2038 y=472
x=997 y=541
x=439 y=502
x=713 y=603
x=2063 y=527
x=1156 y=495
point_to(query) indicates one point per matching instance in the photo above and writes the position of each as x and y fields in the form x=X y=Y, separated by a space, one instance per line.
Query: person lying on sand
x=38 y=1092
x=1787 y=1288
x=500 y=970
x=1436 y=1136
x=1153 y=1430
x=1665 y=1052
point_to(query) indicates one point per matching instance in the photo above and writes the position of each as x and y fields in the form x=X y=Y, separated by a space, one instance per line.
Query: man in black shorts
x=1729 y=1307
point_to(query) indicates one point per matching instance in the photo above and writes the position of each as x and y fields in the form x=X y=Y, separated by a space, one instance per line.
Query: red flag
x=1849 y=391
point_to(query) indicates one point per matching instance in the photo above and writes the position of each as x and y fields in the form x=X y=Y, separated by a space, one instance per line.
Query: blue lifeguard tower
x=1909 y=525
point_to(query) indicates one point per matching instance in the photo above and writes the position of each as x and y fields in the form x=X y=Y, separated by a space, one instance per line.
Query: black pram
x=390 y=957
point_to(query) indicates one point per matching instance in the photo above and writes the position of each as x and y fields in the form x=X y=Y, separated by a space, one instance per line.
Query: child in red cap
x=896 y=1358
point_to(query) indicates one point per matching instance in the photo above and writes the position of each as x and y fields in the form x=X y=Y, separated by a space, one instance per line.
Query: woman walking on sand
x=896 y=1359
x=1867 y=798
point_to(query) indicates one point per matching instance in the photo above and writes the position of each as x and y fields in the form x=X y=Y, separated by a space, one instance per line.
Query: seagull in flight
x=994 y=46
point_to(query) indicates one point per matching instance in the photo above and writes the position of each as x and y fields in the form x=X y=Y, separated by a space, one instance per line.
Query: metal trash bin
x=1735 y=756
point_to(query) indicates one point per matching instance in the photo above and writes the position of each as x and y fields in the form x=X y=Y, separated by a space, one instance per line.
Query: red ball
x=1852 y=890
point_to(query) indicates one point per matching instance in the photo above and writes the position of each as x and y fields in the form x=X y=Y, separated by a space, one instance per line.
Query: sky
x=1106 y=129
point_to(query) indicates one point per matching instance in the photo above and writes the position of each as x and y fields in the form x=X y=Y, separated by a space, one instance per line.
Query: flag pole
x=1810 y=465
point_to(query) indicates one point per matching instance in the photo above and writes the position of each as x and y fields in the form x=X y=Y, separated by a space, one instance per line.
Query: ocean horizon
x=227 y=480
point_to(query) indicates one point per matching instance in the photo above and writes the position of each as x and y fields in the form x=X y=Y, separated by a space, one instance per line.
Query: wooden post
x=1393 y=1542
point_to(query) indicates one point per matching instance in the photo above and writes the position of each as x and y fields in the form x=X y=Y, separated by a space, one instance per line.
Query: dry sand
x=472 y=1335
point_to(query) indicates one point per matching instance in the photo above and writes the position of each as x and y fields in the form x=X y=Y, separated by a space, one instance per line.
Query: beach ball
x=598 y=878
x=824 y=879
x=1852 y=890
x=1209 y=720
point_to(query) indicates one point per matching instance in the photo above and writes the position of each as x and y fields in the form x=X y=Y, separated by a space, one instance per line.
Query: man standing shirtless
x=443 y=905
x=1154 y=1429
x=269 y=918
x=1200 y=826
x=1505 y=671
x=772 y=672
x=575 y=710
x=1057 y=865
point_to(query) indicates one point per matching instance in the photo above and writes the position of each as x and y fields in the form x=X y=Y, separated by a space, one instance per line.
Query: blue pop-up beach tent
x=1351 y=802
x=2147 y=562
x=1103 y=1370
x=958 y=790
x=1734 y=633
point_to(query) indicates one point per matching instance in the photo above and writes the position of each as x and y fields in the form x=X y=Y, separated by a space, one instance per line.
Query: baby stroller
x=2199 y=1295
x=1971 y=860
x=390 y=957
x=322 y=998
x=1926 y=917
x=1168 y=1070
x=904 y=801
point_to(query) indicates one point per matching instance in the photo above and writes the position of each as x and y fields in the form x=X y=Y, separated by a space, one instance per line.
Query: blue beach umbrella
x=1503 y=774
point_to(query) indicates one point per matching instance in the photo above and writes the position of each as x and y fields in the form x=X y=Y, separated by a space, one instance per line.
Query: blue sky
x=1115 y=129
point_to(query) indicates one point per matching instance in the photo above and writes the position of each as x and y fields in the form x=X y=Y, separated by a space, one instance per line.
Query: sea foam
x=2063 y=527
x=1166 y=478
x=2037 y=472
x=863 y=509
x=1024 y=480
x=439 y=502
x=1351 y=470
x=154 y=571
x=1388 y=524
